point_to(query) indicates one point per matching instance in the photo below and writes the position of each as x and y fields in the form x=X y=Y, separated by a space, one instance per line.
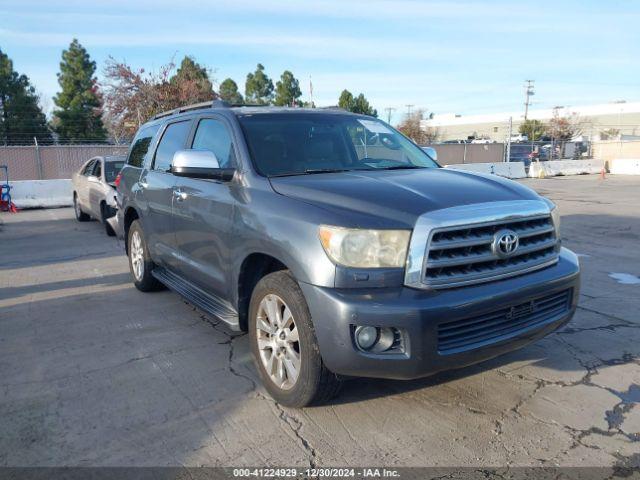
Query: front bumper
x=117 y=223
x=418 y=313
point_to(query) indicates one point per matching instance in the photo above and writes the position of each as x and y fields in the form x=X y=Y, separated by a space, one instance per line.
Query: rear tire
x=77 y=209
x=104 y=217
x=140 y=263
x=282 y=338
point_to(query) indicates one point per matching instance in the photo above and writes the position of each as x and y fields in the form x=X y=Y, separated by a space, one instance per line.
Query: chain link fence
x=52 y=162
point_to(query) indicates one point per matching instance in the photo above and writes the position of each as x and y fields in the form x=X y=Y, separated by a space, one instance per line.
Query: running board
x=211 y=304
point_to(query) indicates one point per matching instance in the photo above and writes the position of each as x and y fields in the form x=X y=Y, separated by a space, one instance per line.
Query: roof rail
x=195 y=106
x=251 y=105
x=332 y=107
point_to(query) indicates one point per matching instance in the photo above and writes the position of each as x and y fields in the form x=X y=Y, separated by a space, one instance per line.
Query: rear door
x=204 y=211
x=157 y=192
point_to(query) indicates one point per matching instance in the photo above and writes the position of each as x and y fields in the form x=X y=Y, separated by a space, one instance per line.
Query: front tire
x=77 y=209
x=140 y=263
x=284 y=344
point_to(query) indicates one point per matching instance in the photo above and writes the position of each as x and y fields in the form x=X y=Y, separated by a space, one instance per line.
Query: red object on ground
x=602 y=173
x=8 y=207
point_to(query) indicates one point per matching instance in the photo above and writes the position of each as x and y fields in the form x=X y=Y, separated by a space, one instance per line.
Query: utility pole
x=529 y=92
x=389 y=110
x=507 y=150
x=409 y=109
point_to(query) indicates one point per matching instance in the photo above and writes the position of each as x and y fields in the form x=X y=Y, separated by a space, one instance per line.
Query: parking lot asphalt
x=93 y=372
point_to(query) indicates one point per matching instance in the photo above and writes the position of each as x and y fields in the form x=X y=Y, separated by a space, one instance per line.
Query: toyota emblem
x=505 y=243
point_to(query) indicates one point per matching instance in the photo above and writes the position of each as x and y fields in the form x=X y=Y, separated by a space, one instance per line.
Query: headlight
x=354 y=247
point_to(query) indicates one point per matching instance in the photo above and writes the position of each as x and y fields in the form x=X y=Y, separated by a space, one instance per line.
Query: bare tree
x=133 y=96
x=564 y=128
x=411 y=127
x=610 y=134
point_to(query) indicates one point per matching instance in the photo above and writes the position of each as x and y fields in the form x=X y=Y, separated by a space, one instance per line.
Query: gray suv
x=341 y=247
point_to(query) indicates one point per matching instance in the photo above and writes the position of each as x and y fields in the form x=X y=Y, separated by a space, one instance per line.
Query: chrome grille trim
x=471 y=227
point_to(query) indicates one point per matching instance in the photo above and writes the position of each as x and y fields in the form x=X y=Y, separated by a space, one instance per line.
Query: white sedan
x=94 y=193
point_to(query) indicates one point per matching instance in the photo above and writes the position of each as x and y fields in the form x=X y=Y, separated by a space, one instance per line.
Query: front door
x=204 y=213
x=95 y=190
x=157 y=191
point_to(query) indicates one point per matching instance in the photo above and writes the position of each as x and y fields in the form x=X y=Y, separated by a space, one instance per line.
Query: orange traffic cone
x=603 y=173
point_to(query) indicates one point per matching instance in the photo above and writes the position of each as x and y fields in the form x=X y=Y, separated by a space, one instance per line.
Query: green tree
x=229 y=92
x=287 y=89
x=533 y=129
x=192 y=82
x=21 y=119
x=346 y=100
x=258 y=87
x=361 y=105
x=357 y=104
x=78 y=117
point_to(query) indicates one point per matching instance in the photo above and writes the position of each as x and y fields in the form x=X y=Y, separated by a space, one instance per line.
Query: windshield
x=111 y=170
x=304 y=143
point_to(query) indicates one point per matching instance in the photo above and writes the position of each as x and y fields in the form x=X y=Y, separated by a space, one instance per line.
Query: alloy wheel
x=137 y=255
x=278 y=341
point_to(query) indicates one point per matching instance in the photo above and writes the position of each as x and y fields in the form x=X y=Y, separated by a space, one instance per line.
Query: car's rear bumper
x=418 y=314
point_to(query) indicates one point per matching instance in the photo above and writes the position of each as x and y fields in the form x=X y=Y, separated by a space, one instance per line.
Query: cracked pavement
x=93 y=372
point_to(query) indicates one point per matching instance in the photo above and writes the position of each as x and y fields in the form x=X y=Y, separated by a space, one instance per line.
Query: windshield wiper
x=326 y=170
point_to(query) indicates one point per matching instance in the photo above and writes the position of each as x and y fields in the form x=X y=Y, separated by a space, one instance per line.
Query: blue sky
x=444 y=56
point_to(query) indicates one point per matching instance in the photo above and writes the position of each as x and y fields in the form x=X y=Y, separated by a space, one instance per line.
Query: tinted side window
x=89 y=168
x=97 y=172
x=212 y=135
x=140 y=146
x=172 y=140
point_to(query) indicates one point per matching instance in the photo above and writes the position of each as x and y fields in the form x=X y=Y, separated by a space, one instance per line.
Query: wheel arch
x=130 y=214
x=254 y=267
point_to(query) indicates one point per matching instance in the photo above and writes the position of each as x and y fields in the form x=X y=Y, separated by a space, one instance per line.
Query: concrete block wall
x=42 y=193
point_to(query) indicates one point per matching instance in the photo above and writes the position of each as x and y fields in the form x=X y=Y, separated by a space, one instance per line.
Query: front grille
x=463 y=255
x=475 y=332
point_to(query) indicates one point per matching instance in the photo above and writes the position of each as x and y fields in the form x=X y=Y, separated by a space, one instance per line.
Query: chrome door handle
x=179 y=195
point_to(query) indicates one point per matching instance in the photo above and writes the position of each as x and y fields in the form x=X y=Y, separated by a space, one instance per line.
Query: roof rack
x=195 y=106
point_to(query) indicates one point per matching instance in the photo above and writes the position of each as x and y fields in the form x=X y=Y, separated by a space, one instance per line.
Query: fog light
x=385 y=340
x=366 y=337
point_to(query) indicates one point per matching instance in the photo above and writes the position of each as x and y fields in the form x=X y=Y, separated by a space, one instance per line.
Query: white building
x=596 y=119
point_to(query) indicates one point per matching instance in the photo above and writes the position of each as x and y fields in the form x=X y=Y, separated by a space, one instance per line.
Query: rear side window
x=140 y=146
x=173 y=139
x=86 y=171
x=212 y=135
x=97 y=172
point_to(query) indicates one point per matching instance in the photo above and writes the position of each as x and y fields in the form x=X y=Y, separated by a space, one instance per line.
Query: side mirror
x=199 y=164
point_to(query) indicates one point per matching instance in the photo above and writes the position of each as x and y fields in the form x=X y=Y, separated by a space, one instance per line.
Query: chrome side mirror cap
x=194 y=159
x=201 y=164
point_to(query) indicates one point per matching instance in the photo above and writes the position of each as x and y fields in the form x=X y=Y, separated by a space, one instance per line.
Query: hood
x=395 y=198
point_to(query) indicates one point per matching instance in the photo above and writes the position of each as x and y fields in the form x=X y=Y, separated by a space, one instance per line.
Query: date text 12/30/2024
x=316 y=472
